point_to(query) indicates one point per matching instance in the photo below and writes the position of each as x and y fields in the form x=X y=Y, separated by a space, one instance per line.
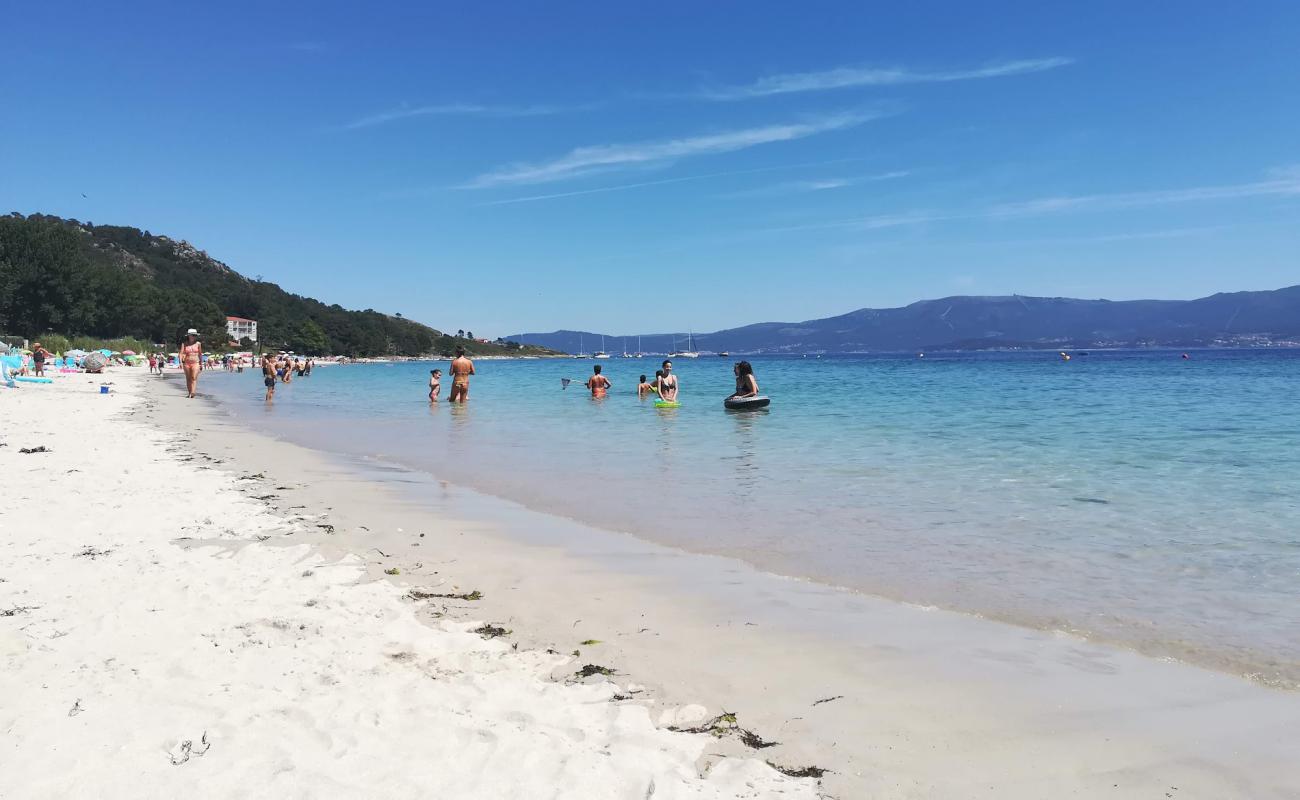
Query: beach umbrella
x=95 y=361
x=74 y=353
x=128 y=352
x=105 y=352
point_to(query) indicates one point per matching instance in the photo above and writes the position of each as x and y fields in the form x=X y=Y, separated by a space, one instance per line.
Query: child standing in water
x=643 y=389
x=435 y=384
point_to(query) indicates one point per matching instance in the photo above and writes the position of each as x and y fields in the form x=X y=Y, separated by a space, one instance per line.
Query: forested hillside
x=73 y=277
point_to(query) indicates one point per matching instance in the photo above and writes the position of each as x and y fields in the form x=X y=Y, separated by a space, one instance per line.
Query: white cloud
x=454 y=110
x=683 y=179
x=806 y=186
x=845 y=77
x=1283 y=185
x=595 y=158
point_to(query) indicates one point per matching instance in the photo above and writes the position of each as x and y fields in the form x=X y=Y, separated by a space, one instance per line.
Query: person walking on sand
x=666 y=383
x=39 y=354
x=461 y=369
x=597 y=383
x=435 y=384
x=644 y=389
x=191 y=356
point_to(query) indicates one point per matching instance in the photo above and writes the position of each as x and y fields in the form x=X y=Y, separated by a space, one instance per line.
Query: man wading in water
x=597 y=383
x=461 y=369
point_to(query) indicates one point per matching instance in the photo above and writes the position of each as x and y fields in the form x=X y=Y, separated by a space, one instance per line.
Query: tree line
x=107 y=281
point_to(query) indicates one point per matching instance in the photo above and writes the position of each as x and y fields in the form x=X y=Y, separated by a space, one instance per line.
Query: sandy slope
x=162 y=636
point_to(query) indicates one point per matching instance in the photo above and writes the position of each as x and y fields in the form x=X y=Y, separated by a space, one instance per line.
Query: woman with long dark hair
x=746 y=383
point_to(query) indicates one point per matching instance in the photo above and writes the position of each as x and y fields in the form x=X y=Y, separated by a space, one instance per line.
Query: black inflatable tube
x=746 y=403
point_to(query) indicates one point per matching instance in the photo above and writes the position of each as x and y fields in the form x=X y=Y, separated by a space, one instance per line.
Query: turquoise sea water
x=1135 y=497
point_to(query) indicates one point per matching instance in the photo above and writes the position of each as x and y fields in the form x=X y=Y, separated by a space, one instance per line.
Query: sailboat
x=626 y=354
x=581 y=349
x=601 y=352
x=689 y=352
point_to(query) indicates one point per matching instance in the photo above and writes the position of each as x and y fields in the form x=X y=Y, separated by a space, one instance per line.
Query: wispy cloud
x=816 y=185
x=597 y=158
x=662 y=182
x=457 y=110
x=846 y=77
x=1284 y=183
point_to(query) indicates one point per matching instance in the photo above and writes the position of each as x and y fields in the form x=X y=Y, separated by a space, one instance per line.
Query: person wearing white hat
x=191 y=360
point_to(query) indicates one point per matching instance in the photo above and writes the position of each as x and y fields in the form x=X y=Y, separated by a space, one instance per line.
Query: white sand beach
x=164 y=636
x=228 y=590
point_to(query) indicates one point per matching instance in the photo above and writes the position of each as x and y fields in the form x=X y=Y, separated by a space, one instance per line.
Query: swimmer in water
x=435 y=385
x=643 y=389
x=597 y=383
x=746 y=383
x=666 y=383
x=461 y=369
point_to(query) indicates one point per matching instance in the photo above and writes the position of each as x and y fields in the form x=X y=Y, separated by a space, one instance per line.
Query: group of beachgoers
x=665 y=385
x=281 y=368
x=461 y=368
x=276 y=368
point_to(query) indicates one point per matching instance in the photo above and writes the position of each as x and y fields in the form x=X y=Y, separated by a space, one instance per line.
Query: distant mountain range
x=1240 y=319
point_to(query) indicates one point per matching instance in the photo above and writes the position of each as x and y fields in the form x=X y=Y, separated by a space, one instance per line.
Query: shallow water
x=1132 y=496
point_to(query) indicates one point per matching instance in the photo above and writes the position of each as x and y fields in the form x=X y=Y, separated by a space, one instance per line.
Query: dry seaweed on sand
x=416 y=594
x=491 y=631
x=593 y=669
x=725 y=724
x=798 y=772
x=30 y=450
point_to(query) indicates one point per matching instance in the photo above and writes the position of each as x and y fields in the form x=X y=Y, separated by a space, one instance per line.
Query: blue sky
x=530 y=166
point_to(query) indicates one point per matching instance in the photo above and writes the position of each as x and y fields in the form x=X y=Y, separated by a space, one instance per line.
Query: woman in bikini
x=746 y=383
x=667 y=383
x=191 y=360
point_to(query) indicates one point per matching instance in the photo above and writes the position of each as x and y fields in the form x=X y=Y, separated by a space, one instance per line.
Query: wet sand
x=894 y=700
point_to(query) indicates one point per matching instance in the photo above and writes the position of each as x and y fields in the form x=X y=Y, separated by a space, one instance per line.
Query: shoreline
x=1126 y=628
x=969 y=686
x=895 y=700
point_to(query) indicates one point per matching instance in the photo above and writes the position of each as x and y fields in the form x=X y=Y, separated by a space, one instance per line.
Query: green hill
x=75 y=278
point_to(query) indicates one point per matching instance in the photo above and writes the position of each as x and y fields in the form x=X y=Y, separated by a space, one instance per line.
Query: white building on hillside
x=240 y=328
